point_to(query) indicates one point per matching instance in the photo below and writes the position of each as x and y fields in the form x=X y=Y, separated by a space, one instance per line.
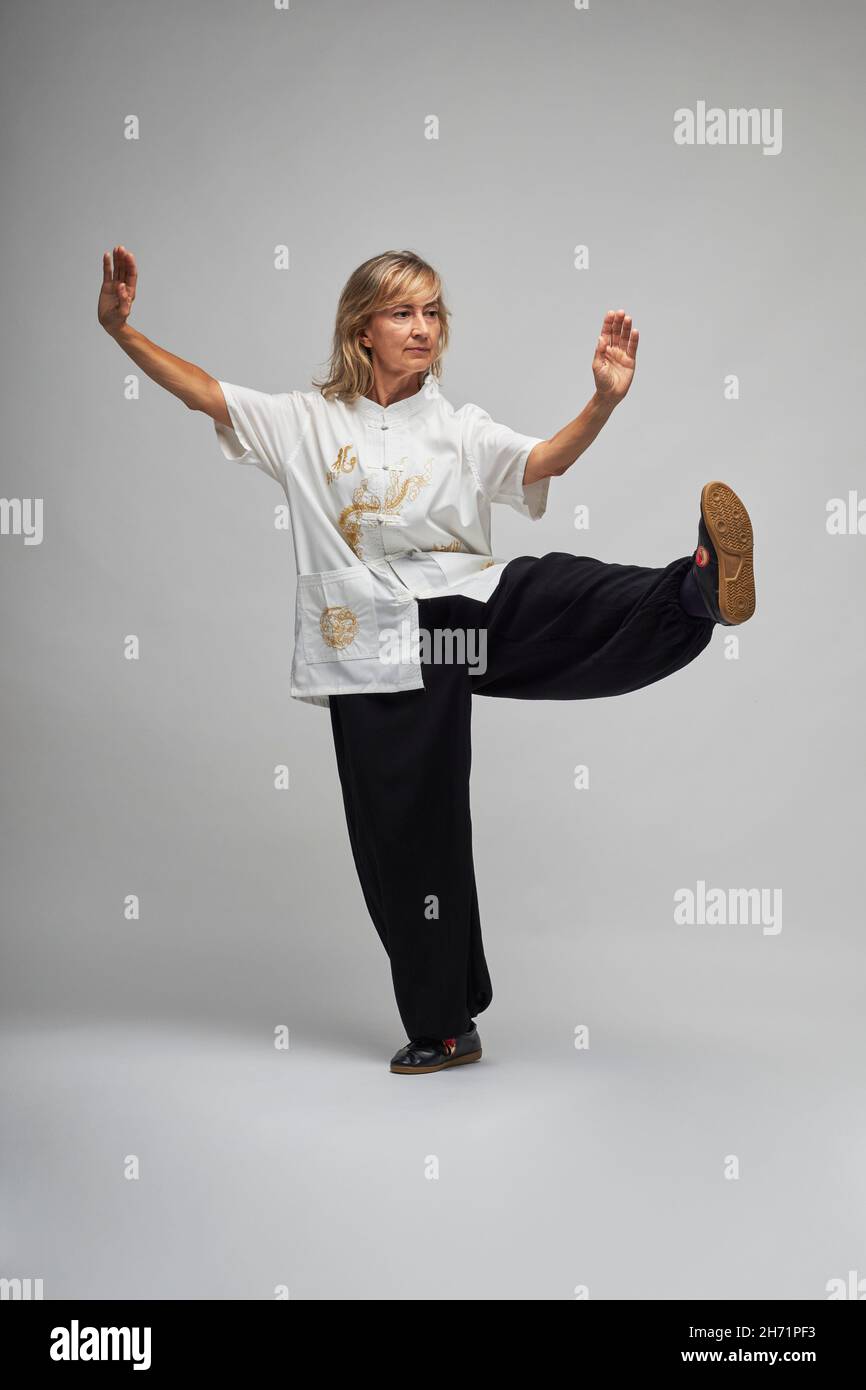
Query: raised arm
x=196 y=388
x=613 y=367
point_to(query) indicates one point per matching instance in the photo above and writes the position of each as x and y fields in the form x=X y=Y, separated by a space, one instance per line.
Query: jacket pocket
x=337 y=615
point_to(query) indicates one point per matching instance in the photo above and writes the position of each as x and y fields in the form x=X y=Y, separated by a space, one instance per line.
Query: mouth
x=417 y=349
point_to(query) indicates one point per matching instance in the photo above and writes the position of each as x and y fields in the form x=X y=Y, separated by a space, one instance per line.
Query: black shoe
x=723 y=566
x=435 y=1054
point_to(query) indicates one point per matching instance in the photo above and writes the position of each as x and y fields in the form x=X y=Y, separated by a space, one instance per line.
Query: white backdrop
x=709 y=1140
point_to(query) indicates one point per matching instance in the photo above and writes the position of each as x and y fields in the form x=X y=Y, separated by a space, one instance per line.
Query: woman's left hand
x=614 y=360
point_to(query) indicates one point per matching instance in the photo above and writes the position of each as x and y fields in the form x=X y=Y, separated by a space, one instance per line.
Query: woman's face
x=404 y=337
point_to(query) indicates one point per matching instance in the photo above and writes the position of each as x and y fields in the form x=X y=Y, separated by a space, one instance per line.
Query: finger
x=625 y=330
x=132 y=272
x=616 y=329
x=106 y=267
x=632 y=344
x=607 y=326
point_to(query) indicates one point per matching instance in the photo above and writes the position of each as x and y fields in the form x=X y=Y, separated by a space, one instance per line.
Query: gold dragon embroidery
x=364 y=502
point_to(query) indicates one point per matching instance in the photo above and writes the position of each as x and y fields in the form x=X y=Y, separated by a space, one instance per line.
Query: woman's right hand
x=118 y=289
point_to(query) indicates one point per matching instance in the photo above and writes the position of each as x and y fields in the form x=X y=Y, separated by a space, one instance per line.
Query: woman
x=403 y=612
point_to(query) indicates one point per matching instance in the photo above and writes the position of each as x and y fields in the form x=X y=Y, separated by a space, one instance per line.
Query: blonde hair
x=392 y=278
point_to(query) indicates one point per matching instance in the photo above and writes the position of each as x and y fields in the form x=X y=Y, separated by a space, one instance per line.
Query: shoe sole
x=440 y=1066
x=730 y=529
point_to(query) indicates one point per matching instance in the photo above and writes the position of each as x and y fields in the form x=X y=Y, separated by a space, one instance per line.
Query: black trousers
x=558 y=627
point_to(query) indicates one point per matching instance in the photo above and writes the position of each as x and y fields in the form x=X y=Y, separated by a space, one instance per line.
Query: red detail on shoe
x=450 y=1044
x=702 y=556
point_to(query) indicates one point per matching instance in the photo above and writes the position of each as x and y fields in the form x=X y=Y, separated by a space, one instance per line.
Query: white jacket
x=387 y=505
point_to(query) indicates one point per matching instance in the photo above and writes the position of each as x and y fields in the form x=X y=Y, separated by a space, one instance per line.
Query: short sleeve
x=498 y=457
x=267 y=429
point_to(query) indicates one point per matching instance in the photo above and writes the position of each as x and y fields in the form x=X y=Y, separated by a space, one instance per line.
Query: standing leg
x=404 y=763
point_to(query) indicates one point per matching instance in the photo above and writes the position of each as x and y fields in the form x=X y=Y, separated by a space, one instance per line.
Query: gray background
x=306 y=1168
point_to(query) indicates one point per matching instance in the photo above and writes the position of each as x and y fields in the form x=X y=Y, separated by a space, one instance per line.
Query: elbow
x=539 y=464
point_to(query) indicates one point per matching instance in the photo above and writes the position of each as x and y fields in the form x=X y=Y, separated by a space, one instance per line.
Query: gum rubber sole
x=441 y=1066
x=730 y=528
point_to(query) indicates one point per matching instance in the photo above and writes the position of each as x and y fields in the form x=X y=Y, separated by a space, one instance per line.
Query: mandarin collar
x=399 y=411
